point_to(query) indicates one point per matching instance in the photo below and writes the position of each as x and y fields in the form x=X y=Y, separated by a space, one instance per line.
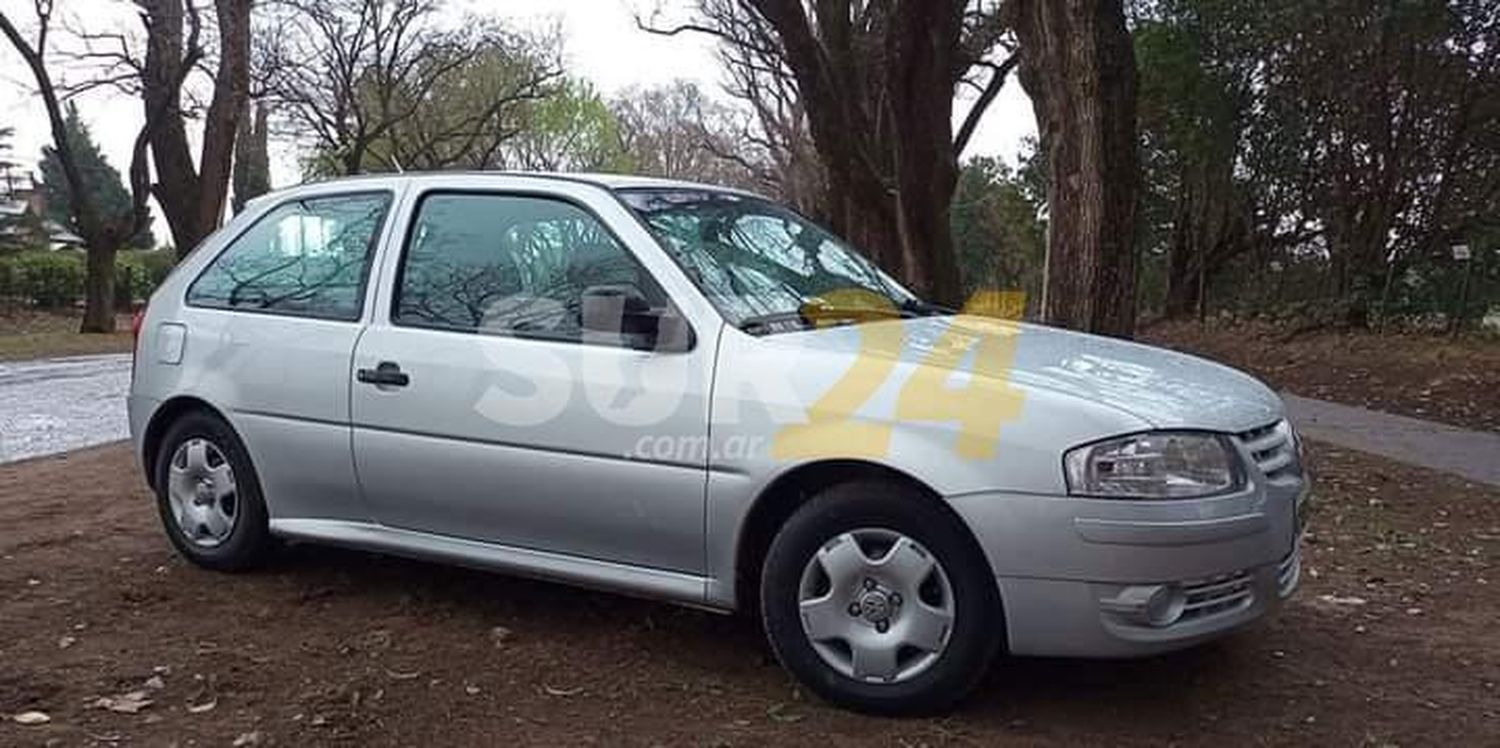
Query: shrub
x=139 y=272
x=44 y=279
x=51 y=280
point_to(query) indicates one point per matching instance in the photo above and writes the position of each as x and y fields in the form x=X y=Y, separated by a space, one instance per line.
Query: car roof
x=598 y=179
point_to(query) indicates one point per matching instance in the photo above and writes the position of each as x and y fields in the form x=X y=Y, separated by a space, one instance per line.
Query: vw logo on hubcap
x=875 y=606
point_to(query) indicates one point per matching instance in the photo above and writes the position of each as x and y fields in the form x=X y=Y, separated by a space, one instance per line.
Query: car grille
x=1274 y=451
x=1219 y=594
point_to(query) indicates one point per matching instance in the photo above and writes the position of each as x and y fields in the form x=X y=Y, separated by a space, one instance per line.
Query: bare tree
x=103 y=234
x=193 y=195
x=380 y=85
x=252 y=161
x=876 y=81
x=677 y=132
x=1078 y=67
x=777 y=133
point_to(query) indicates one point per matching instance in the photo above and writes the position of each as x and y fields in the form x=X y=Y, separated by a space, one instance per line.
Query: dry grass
x=27 y=334
x=1424 y=376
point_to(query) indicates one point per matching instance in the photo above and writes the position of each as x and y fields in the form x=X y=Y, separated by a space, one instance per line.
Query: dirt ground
x=1423 y=376
x=1390 y=641
x=27 y=334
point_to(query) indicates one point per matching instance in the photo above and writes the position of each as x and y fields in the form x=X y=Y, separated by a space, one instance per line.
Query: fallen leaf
x=31 y=718
x=125 y=703
x=1336 y=600
x=778 y=712
x=552 y=691
x=207 y=706
x=63 y=642
x=247 y=738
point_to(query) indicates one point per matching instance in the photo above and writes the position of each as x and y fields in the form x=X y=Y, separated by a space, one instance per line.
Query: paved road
x=56 y=405
x=1474 y=455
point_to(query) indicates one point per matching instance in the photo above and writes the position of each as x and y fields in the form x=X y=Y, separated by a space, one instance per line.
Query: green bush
x=44 y=279
x=139 y=272
x=51 y=280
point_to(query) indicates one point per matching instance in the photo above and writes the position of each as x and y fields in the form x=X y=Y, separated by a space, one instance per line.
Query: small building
x=23 y=214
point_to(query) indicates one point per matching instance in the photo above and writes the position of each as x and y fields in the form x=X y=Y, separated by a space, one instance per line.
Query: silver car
x=693 y=394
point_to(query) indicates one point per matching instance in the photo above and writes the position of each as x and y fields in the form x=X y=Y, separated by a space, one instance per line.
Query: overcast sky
x=602 y=45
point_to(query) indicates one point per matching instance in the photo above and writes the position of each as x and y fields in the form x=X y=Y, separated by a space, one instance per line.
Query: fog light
x=1149 y=605
x=1165 y=606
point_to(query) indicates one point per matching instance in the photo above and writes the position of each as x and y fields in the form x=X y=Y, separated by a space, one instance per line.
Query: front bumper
x=1121 y=578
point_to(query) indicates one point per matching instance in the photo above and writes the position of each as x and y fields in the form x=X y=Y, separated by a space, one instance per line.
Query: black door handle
x=386 y=373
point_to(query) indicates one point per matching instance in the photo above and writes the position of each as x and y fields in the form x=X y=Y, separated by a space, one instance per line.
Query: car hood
x=1163 y=388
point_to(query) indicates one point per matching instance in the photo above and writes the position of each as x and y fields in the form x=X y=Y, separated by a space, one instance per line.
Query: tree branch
x=986 y=97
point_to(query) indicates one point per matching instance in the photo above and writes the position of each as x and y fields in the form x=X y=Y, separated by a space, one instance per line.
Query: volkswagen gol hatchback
x=693 y=394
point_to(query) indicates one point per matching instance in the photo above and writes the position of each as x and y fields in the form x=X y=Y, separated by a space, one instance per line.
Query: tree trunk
x=176 y=184
x=1182 y=283
x=221 y=122
x=193 y=202
x=879 y=108
x=252 y=162
x=919 y=87
x=99 y=289
x=102 y=237
x=1078 y=66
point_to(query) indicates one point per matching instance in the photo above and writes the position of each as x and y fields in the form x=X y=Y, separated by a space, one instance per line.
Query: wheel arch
x=161 y=420
x=776 y=502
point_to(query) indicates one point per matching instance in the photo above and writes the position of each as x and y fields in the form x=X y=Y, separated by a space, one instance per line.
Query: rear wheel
x=880 y=601
x=208 y=495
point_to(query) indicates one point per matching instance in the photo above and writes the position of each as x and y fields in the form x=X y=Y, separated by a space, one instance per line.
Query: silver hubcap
x=876 y=605
x=201 y=491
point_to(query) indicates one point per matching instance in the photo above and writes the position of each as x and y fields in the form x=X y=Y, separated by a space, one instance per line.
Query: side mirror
x=619 y=315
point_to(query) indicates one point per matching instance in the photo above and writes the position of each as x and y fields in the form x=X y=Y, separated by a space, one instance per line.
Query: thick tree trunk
x=252 y=162
x=221 y=123
x=1078 y=66
x=176 y=184
x=880 y=111
x=99 y=289
x=193 y=201
x=1182 y=282
x=919 y=83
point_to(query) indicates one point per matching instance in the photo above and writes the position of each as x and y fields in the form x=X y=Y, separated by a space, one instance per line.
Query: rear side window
x=307 y=258
x=510 y=265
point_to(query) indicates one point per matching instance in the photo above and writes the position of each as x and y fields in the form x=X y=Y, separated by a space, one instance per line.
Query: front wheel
x=880 y=601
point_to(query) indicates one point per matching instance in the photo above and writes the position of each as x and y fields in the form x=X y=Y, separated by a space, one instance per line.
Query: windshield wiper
x=920 y=308
x=763 y=324
x=810 y=315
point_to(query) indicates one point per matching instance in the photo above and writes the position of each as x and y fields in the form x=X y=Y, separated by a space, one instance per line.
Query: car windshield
x=764 y=266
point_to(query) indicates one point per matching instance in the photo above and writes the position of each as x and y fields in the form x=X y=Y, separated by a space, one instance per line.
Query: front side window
x=512 y=265
x=755 y=259
x=308 y=257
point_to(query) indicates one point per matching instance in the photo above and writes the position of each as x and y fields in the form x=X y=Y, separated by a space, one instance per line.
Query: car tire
x=866 y=641
x=209 y=496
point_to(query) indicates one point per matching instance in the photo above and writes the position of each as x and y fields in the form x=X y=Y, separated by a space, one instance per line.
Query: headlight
x=1155 y=465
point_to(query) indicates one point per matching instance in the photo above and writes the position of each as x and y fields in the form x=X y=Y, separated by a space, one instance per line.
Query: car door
x=268 y=328
x=488 y=412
